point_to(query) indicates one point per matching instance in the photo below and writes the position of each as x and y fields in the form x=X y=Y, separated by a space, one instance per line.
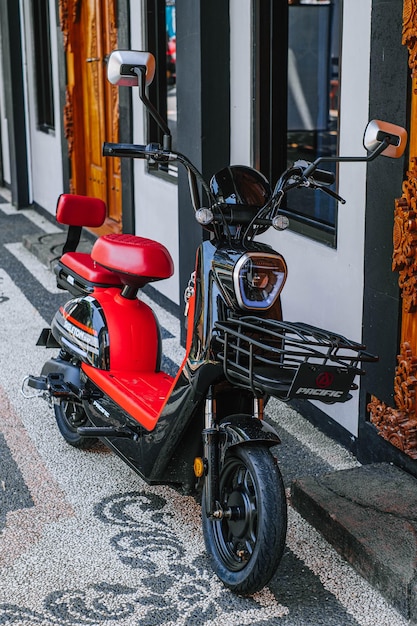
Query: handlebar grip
x=324 y=177
x=134 y=151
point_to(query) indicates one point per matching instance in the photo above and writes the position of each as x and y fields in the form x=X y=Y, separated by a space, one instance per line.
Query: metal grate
x=289 y=359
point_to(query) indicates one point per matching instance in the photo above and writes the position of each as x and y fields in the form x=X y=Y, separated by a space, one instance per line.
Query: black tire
x=245 y=552
x=69 y=416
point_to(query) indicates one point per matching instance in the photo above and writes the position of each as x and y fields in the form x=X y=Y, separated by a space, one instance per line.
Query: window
x=161 y=41
x=305 y=37
x=313 y=102
x=171 y=69
x=43 y=65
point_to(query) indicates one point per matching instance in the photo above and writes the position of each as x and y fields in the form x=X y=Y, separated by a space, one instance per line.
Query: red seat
x=136 y=260
x=82 y=264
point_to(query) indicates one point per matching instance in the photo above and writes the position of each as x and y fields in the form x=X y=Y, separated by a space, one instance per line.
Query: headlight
x=258 y=279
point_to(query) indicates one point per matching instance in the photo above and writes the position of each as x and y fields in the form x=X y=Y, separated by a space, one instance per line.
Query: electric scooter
x=201 y=431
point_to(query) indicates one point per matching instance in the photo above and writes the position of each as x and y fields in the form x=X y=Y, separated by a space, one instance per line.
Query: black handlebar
x=139 y=151
x=135 y=151
x=324 y=177
x=155 y=153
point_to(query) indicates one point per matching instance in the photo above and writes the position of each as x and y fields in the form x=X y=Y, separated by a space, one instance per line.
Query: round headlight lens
x=258 y=279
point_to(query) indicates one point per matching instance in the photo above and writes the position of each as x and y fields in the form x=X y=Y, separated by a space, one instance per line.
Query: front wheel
x=70 y=416
x=245 y=549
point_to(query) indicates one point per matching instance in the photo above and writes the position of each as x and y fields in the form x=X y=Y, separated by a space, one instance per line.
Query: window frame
x=44 y=92
x=270 y=134
x=155 y=37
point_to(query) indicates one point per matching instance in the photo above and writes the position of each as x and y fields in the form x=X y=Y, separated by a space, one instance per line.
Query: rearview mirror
x=378 y=131
x=123 y=63
x=131 y=68
x=379 y=138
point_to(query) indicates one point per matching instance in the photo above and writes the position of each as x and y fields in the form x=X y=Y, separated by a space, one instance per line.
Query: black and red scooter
x=202 y=429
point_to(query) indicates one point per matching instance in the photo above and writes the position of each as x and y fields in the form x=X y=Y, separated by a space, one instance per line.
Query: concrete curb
x=48 y=247
x=368 y=514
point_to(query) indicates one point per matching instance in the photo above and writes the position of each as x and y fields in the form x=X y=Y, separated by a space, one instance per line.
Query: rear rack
x=289 y=359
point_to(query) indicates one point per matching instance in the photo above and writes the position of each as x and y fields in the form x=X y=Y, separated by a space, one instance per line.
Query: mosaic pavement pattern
x=83 y=540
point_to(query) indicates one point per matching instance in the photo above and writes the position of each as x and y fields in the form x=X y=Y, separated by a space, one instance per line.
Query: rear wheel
x=246 y=548
x=70 y=416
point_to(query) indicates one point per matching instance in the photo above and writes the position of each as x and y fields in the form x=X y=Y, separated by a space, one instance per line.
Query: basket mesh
x=289 y=359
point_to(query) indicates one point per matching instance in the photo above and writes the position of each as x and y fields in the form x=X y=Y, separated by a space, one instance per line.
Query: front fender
x=242 y=429
x=234 y=430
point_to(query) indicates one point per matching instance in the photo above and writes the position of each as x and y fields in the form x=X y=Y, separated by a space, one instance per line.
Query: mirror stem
x=370 y=157
x=141 y=74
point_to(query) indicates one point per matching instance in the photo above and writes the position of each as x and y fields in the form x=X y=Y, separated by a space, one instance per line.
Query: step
x=369 y=515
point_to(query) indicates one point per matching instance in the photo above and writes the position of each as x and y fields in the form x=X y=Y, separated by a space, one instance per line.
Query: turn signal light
x=199 y=467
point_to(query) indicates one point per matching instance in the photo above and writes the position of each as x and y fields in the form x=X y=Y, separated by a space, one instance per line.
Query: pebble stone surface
x=84 y=540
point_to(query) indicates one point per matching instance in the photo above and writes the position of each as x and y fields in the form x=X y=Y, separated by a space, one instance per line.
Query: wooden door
x=398 y=424
x=91 y=112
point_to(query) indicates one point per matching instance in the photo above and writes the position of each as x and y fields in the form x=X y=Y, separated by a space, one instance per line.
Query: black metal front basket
x=289 y=359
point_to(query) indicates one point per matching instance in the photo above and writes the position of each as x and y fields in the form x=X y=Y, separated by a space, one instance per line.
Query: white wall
x=325 y=286
x=44 y=149
x=240 y=82
x=156 y=200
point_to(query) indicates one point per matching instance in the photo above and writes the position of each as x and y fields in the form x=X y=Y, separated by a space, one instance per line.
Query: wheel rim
x=236 y=536
x=74 y=415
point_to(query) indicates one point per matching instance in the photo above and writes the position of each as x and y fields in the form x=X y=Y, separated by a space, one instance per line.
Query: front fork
x=213 y=440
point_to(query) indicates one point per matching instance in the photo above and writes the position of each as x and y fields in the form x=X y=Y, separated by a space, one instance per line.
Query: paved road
x=83 y=540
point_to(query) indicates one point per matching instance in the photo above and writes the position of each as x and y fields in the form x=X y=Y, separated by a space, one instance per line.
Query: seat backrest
x=77 y=210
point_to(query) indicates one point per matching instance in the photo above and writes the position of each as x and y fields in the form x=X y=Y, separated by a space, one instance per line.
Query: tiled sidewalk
x=83 y=540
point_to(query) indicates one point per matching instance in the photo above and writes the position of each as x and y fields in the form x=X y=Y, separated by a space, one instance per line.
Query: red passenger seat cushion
x=83 y=265
x=132 y=255
x=80 y=210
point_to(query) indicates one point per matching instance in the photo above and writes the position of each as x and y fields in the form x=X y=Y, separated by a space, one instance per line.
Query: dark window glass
x=314 y=33
x=161 y=41
x=296 y=97
x=43 y=65
x=171 y=69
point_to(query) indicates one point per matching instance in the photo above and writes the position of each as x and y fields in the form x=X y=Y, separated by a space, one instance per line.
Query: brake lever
x=331 y=193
